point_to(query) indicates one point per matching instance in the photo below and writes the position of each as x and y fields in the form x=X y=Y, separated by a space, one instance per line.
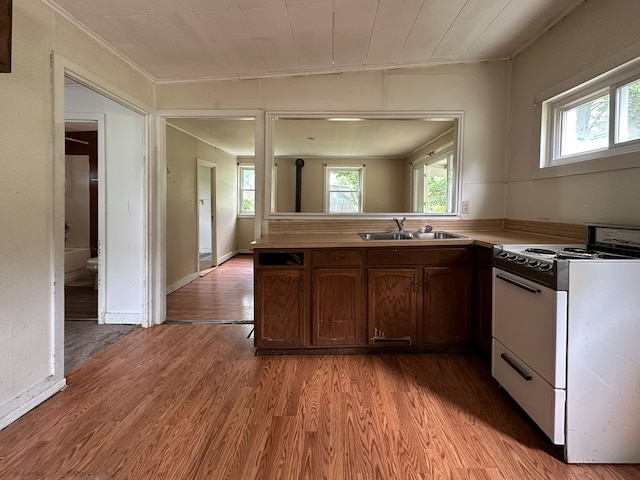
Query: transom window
x=598 y=119
x=344 y=188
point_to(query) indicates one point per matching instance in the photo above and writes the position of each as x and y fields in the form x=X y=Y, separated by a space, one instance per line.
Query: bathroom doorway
x=81 y=220
x=207 y=231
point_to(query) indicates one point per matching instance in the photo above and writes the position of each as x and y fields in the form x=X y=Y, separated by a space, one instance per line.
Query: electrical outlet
x=465 y=206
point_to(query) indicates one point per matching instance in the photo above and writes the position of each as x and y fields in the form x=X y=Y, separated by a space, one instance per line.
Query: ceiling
x=298 y=137
x=182 y=40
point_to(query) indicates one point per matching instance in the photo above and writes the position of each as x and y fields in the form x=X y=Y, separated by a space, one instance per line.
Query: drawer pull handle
x=513 y=364
x=397 y=339
x=518 y=284
x=337 y=257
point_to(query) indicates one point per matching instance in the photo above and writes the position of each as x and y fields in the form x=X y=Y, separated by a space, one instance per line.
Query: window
x=596 y=120
x=432 y=184
x=247 y=189
x=344 y=188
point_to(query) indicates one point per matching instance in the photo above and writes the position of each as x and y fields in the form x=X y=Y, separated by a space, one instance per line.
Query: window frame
x=447 y=154
x=241 y=168
x=616 y=155
x=328 y=168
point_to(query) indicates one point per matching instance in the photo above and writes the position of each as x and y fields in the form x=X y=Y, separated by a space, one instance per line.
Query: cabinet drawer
x=543 y=403
x=419 y=256
x=337 y=258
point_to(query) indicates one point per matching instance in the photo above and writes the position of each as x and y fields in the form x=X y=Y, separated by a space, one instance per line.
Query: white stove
x=566 y=323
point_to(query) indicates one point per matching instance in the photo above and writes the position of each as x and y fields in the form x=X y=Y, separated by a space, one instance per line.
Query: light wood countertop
x=485 y=238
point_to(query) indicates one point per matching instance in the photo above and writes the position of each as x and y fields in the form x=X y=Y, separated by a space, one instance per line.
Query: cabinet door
x=337 y=306
x=279 y=308
x=447 y=297
x=393 y=305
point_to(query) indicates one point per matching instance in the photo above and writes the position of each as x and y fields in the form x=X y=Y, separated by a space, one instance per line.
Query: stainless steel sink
x=410 y=236
x=385 y=236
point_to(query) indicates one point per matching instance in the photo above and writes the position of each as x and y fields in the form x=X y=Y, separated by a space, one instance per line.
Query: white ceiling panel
x=312 y=19
x=211 y=5
x=397 y=14
x=354 y=17
x=386 y=44
x=314 y=36
x=225 y=25
x=271 y=22
x=279 y=54
x=314 y=51
x=473 y=20
x=244 y=4
x=351 y=49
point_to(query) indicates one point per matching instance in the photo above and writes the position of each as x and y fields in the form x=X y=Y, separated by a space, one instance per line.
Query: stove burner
x=578 y=250
x=540 y=251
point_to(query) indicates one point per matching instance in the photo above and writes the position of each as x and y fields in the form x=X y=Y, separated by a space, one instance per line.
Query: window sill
x=614 y=161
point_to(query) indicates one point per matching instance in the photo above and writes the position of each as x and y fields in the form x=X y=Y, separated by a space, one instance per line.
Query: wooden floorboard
x=194 y=402
x=226 y=293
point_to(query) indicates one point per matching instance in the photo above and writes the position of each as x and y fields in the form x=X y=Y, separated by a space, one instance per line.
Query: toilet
x=92 y=266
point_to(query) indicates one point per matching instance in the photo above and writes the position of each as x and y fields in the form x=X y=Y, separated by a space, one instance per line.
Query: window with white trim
x=246 y=190
x=433 y=184
x=595 y=120
x=344 y=188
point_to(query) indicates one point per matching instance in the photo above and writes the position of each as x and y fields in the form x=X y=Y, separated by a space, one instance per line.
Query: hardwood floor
x=225 y=294
x=194 y=402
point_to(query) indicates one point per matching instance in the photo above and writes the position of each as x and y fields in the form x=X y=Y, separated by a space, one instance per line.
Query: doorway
x=207 y=231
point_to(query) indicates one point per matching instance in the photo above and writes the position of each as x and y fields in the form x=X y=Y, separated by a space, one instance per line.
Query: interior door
x=207 y=254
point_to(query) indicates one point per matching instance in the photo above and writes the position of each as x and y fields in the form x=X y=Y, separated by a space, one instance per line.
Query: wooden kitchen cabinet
x=447 y=294
x=359 y=299
x=392 y=306
x=280 y=298
x=426 y=295
x=337 y=307
x=337 y=298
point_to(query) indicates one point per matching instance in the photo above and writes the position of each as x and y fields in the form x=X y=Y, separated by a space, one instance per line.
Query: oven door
x=531 y=321
x=529 y=348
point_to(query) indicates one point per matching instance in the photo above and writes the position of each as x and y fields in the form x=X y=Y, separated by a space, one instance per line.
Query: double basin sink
x=411 y=236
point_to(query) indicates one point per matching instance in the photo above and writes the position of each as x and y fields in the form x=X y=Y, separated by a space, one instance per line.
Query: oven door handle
x=518 y=284
x=513 y=364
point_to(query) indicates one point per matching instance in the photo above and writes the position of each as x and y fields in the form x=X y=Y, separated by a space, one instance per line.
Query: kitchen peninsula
x=338 y=293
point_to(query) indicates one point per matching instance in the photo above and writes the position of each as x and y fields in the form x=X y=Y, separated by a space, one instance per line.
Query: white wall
x=183 y=150
x=31 y=244
x=76 y=191
x=597 y=36
x=480 y=90
x=122 y=250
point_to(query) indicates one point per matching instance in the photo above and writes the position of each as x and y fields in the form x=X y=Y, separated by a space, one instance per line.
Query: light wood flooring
x=225 y=294
x=193 y=402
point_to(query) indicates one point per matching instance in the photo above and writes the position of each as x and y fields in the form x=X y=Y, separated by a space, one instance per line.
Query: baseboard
x=245 y=251
x=226 y=257
x=28 y=400
x=112 y=318
x=182 y=282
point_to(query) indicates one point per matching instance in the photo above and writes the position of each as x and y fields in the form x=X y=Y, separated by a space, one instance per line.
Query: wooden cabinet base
x=365 y=350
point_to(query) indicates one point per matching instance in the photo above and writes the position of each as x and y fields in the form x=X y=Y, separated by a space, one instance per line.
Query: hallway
x=223 y=295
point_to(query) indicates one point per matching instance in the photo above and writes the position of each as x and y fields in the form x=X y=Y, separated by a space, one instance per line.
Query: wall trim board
x=182 y=282
x=226 y=257
x=28 y=400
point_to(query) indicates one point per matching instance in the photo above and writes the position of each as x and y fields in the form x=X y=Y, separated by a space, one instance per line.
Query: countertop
x=486 y=238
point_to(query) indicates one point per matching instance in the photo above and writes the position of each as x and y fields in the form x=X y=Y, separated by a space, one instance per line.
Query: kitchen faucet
x=400 y=223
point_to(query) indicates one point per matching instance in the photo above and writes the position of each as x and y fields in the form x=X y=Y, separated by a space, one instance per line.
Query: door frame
x=214 y=222
x=99 y=118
